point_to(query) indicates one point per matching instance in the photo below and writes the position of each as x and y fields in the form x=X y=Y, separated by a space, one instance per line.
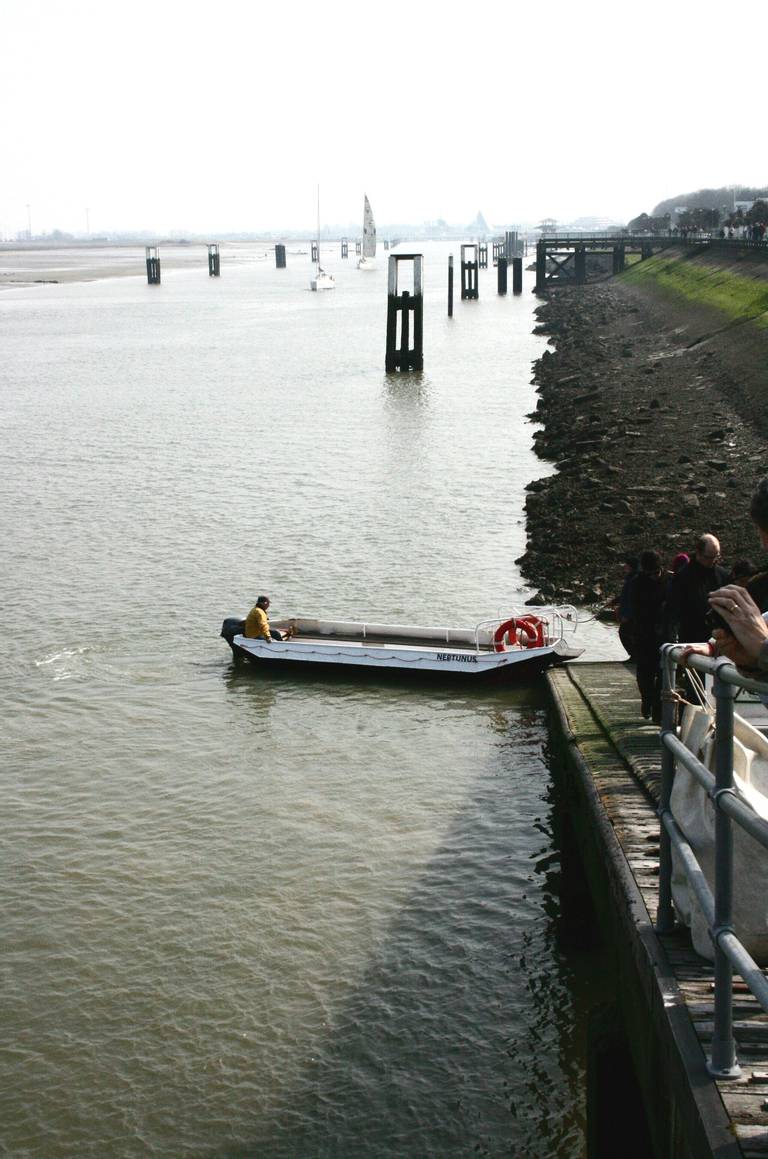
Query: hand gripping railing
x=730 y=953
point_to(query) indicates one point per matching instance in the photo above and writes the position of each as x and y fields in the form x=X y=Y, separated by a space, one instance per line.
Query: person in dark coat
x=621 y=603
x=688 y=605
x=646 y=594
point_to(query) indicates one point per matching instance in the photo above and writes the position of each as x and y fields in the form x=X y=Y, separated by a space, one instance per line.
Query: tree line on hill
x=701 y=217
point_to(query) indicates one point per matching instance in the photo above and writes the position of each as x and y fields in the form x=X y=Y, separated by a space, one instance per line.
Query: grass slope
x=737 y=289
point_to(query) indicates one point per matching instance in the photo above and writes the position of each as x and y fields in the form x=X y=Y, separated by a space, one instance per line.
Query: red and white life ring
x=527 y=631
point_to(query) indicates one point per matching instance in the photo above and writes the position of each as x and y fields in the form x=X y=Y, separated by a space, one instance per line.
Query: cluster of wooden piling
x=404 y=353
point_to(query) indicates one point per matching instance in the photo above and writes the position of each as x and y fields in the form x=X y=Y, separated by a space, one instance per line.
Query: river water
x=270 y=917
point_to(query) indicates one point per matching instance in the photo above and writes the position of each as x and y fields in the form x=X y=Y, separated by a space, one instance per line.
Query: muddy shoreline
x=651 y=438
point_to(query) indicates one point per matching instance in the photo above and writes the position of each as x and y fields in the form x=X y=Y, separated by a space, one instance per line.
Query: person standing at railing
x=744 y=640
x=646 y=601
x=688 y=605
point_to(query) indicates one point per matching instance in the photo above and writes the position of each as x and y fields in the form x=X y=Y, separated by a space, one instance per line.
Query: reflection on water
x=249 y=915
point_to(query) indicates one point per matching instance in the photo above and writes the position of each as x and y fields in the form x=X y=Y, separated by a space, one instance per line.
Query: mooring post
x=153 y=264
x=450 y=285
x=541 y=266
x=501 y=274
x=404 y=356
x=313 y=251
x=214 y=267
x=517 y=275
x=280 y=257
x=580 y=264
x=468 y=272
x=344 y=248
x=482 y=255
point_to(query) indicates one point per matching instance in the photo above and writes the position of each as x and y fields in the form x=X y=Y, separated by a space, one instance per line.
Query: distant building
x=478 y=227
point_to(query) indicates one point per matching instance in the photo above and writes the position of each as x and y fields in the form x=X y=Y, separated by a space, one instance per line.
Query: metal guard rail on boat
x=730 y=953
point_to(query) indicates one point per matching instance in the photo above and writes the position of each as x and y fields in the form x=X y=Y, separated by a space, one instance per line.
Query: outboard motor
x=232 y=626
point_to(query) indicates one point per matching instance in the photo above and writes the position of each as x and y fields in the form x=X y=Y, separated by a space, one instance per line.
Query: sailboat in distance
x=368 y=260
x=320 y=280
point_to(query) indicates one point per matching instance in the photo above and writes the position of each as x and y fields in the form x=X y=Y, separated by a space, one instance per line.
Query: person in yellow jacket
x=257 y=622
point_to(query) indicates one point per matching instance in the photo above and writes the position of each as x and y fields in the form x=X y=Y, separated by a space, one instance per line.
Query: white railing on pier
x=729 y=809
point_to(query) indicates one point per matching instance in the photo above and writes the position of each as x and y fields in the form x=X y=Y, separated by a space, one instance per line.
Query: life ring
x=527 y=631
x=534 y=627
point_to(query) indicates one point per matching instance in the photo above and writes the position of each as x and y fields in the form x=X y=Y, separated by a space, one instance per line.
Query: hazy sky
x=225 y=115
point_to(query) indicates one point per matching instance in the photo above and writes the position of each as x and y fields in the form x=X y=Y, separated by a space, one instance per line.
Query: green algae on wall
x=734 y=294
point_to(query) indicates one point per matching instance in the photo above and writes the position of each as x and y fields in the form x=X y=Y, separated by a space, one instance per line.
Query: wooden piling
x=404 y=356
x=153 y=264
x=450 y=285
x=469 y=289
x=344 y=247
x=580 y=264
x=517 y=275
x=501 y=275
x=214 y=267
x=541 y=266
x=280 y=257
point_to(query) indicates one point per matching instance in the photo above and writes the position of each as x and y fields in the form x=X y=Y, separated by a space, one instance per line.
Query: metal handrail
x=694 y=239
x=730 y=953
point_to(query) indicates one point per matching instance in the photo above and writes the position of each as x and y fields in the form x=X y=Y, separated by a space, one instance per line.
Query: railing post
x=665 y=915
x=722 y=1063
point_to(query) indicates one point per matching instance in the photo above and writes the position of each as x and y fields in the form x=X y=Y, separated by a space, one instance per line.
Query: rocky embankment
x=643 y=422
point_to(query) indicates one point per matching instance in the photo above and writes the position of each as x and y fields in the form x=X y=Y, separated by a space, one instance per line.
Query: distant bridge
x=562 y=260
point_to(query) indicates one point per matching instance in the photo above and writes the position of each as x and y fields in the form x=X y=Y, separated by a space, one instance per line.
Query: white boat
x=520 y=644
x=320 y=280
x=368 y=259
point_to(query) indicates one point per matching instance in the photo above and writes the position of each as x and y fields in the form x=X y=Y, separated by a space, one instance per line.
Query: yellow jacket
x=257 y=624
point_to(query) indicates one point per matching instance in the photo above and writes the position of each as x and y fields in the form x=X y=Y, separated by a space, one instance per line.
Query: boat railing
x=729 y=809
x=557 y=619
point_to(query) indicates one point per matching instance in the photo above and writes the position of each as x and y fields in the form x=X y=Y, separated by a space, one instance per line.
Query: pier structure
x=482 y=255
x=358 y=247
x=405 y=344
x=280 y=256
x=313 y=251
x=152 y=254
x=214 y=260
x=469 y=268
x=689 y=1036
x=345 y=247
x=561 y=260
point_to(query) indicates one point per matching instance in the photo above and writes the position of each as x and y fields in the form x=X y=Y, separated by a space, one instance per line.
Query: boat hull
x=388 y=660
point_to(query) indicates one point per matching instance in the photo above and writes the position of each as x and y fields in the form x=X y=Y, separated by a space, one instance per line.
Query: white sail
x=369 y=231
